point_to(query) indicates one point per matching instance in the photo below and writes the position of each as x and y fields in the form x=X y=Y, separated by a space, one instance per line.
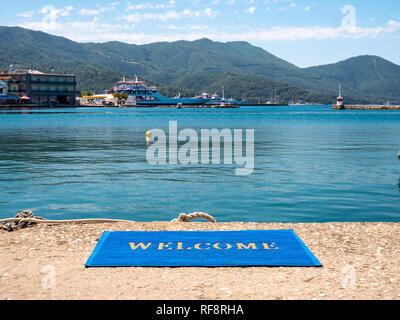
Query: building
x=42 y=88
x=3 y=88
x=5 y=98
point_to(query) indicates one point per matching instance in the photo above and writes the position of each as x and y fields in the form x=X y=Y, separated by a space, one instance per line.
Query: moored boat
x=140 y=94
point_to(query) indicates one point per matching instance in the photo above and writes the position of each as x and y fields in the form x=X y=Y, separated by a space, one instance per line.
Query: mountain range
x=190 y=67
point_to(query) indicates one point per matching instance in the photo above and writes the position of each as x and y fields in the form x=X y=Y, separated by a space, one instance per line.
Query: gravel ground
x=360 y=261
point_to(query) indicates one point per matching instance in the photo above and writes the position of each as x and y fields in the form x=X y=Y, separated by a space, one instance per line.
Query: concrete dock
x=361 y=261
x=366 y=107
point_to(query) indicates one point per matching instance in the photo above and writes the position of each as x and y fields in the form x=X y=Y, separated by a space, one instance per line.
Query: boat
x=141 y=94
x=216 y=100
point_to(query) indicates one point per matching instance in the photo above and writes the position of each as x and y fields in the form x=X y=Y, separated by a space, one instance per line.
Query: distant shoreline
x=335 y=107
x=26 y=106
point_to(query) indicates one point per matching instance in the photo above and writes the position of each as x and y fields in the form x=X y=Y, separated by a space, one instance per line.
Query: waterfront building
x=3 y=88
x=6 y=98
x=42 y=88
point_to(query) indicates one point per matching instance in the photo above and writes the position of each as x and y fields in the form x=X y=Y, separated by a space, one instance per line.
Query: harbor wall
x=365 y=107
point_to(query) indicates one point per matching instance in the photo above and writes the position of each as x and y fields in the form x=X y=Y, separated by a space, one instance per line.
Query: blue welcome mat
x=201 y=249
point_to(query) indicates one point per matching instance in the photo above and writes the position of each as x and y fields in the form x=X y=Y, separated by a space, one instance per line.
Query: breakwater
x=365 y=107
x=264 y=104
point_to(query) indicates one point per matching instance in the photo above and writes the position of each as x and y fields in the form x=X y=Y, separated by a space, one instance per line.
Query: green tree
x=120 y=96
x=88 y=93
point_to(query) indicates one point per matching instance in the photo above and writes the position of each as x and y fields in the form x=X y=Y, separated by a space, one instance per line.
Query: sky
x=303 y=32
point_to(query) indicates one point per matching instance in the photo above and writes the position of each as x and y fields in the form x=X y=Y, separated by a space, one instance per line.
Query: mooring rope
x=26 y=218
x=21 y=220
x=183 y=217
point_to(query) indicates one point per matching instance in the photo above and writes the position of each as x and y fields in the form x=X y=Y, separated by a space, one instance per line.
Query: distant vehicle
x=108 y=103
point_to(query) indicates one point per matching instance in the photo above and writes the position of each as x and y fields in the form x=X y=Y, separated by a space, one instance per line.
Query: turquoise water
x=312 y=164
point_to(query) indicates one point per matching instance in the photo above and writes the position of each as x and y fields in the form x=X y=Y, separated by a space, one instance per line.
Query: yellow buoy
x=148 y=137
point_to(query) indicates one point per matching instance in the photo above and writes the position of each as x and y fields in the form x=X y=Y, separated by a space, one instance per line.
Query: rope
x=183 y=217
x=21 y=220
x=26 y=218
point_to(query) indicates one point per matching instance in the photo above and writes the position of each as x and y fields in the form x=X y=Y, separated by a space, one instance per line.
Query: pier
x=365 y=107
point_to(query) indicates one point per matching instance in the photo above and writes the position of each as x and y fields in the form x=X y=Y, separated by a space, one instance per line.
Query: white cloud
x=66 y=11
x=394 y=24
x=291 y=5
x=168 y=15
x=97 y=31
x=100 y=9
x=51 y=14
x=94 y=29
x=142 y=6
x=251 y=10
x=89 y=12
x=288 y=33
x=28 y=14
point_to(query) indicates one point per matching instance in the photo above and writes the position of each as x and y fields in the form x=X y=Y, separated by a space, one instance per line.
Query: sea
x=311 y=164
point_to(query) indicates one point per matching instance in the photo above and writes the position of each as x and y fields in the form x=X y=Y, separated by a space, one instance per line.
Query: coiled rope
x=21 y=220
x=183 y=217
x=26 y=218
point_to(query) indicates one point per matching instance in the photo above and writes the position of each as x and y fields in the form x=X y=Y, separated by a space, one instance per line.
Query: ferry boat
x=216 y=100
x=140 y=94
